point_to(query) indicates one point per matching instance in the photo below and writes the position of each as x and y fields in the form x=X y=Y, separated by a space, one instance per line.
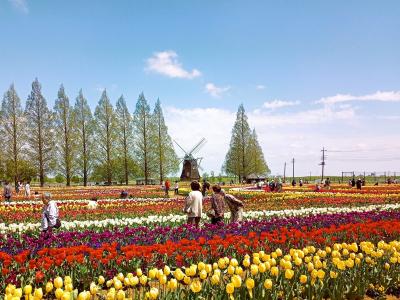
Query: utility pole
x=323 y=162
x=284 y=173
x=293 y=169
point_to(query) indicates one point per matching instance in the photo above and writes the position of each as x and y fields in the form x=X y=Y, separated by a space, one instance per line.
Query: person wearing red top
x=167 y=186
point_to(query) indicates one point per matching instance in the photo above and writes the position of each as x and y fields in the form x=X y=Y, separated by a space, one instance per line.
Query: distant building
x=255 y=178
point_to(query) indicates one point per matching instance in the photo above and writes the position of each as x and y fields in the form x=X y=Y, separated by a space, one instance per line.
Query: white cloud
x=166 y=63
x=279 y=103
x=20 y=5
x=216 y=91
x=300 y=134
x=260 y=87
x=390 y=96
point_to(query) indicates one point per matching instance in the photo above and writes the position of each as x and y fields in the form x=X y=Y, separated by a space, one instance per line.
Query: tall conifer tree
x=124 y=136
x=12 y=130
x=64 y=126
x=105 y=123
x=84 y=124
x=40 y=137
x=143 y=136
x=166 y=159
x=240 y=160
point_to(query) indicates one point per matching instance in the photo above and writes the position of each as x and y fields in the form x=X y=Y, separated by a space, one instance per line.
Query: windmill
x=191 y=165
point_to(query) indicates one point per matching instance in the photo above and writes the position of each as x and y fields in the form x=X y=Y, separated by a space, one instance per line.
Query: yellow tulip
x=38 y=293
x=153 y=293
x=215 y=279
x=278 y=252
x=221 y=263
x=139 y=272
x=66 y=296
x=178 y=274
x=208 y=268
x=387 y=266
x=201 y=266
x=172 y=284
x=120 y=295
x=230 y=288
x=84 y=295
x=268 y=284
x=67 y=279
x=58 y=282
x=314 y=274
x=109 y=283
x=234 y=262
x=239 y=271
x=195 y=286
x=163 y=279
x=246 y=262
x=69 y=287
x=133 y=280
x=254 y=270
x=18 y=293
x=93 y=288
x=321 y=274
x=231 y=270
x=274 y=271
x=333 y=274
x=143 y=279
x=187 y=280
x=262 y=268
x=249 y=283
x=59 y=292
x=303 y=279
x=203 y=274
x=127 y=281
x=28 y=289
x=236 y=280
x=167 y=270
x=289 y=274
x=49 y=287
x=152 y=273
x=11 y=288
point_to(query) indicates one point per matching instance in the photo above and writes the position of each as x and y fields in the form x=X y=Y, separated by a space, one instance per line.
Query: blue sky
x=288 y=62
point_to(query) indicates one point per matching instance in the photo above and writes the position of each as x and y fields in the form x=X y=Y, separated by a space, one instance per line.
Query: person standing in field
x=7 y=193
x=205 y=187
x=217 y=205
x=359 y=183
x=235 y=206
x=17 y=187
x=176 y=188
x=194 y=204
x=27 y=189
x=167 y=187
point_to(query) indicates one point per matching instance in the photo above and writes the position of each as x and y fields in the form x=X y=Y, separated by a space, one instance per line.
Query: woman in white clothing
x=27 y=189
x=194 y=204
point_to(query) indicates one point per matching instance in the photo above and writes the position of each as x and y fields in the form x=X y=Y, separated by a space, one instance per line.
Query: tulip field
x=340 y=243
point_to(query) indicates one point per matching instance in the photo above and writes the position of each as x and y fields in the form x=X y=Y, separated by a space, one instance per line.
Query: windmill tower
x=191 y=165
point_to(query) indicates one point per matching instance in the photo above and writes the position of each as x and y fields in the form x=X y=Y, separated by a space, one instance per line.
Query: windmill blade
x=180 y=147
x=198 y=146
x=199 y=159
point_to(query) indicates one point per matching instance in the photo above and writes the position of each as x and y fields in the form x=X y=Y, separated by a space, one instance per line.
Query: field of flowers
x=301 y=244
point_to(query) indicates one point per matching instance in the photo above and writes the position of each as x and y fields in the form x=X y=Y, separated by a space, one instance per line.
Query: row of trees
x=245 y=155
x=111 y=144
